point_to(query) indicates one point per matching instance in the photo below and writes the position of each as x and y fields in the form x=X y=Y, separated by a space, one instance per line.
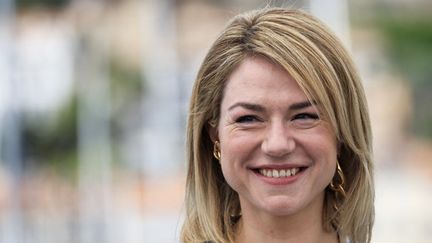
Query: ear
x=213 y=133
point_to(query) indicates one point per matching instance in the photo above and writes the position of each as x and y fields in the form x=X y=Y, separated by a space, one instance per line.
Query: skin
x=267 y=122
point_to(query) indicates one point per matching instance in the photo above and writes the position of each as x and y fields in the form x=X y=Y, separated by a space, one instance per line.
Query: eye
x=306 y=116
x=305 y=120
x=247 y=119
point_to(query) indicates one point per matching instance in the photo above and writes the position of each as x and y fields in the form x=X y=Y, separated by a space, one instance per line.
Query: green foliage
x=410 y=46
x=52 y=142
x=126 y=92
x=41 y=3
x=126 y=100
x=126 y=86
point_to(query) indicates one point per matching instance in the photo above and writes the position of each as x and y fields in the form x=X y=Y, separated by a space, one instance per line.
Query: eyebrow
x=301 y=105
x=249 y=106
x=259 y=108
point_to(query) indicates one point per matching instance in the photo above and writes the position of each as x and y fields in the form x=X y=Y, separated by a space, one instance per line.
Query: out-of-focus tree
x=42 y=3
x=406 y=28
x=410 y=49
x=53 y=142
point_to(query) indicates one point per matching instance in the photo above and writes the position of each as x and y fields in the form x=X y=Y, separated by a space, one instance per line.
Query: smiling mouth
x=280 y=173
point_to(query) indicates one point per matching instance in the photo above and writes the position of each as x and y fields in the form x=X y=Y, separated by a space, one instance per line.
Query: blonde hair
x=315 y=58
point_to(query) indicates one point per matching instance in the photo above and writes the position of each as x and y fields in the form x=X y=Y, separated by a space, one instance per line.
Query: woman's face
x=275 y=151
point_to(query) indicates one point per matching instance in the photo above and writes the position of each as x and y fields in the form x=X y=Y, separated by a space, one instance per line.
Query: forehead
x=258 y=79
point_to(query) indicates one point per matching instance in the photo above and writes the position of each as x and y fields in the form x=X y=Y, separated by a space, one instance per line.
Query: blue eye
x=246 y=119
x=305 y=116
x=305 y=120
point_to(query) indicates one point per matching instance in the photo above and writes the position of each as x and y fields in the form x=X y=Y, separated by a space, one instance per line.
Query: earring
x=337 y=186
x=216 y=150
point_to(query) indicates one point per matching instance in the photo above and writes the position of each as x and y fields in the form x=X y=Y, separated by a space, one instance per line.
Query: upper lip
x=277 y=166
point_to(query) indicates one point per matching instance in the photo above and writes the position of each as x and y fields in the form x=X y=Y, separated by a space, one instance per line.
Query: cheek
x=327 y=150
x=231 y=174
x=236 y=152
x=326 y=157
x=233 y=155
x=236 y=145
x=322 y=147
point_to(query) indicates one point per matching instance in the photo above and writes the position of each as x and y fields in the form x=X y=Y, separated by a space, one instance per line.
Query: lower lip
x=281 y=181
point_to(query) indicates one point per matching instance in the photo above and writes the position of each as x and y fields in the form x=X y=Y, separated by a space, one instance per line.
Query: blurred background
x=93 y=106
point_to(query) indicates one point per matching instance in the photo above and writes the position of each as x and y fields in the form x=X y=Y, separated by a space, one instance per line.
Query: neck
x=305 y=227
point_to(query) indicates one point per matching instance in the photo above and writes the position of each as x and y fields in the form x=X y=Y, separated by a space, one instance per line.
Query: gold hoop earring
x=337 y=186
x=216 y=150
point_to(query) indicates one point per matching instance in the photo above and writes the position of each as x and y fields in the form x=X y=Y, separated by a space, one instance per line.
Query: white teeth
x=282 y=173
x=269 y=173
x=279 y=173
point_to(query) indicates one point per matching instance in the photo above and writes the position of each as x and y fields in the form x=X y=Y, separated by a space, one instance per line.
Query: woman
x=279 y=140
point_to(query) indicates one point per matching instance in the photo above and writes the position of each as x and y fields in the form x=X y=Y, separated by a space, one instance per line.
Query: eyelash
x=302 y=116
x=306 y=116
x=247 y=119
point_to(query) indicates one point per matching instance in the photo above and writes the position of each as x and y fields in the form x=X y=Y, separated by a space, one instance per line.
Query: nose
x=278 y=141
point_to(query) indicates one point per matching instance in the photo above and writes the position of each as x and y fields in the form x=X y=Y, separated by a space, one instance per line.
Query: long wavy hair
x=316 y=59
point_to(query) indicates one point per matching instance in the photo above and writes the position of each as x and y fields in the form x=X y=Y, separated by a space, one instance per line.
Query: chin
x=281 y=206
